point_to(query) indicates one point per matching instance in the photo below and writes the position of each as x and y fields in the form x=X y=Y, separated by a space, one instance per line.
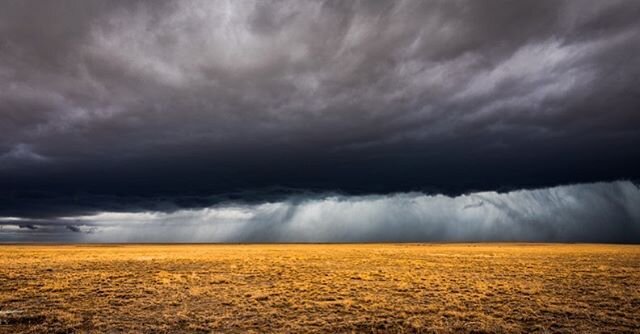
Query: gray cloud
x=171 y=75
x=19 y=155
x=598 y=212
x=28 y=226
x=105 y=104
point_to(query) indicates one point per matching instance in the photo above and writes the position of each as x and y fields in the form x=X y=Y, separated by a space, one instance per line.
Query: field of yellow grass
x=380 y=288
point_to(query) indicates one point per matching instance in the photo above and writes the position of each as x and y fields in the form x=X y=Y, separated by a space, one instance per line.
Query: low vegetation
x=319 y=288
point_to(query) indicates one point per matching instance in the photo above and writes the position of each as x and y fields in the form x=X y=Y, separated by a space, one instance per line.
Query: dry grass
x=320 y=288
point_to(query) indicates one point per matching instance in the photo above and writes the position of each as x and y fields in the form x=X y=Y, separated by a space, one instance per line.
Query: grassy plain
x=379 y=288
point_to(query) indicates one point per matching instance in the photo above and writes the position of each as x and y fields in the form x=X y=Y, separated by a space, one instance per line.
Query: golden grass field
x=380 y=288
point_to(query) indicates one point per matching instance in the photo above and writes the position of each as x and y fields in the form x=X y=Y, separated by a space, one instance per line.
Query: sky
x=319 y=121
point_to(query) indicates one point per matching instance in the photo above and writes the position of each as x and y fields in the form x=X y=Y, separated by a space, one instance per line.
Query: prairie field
x=324 y=288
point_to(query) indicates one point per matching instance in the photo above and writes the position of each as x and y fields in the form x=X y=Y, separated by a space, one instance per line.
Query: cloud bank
x=294 y=120
x=597 y=212
x=104 y=103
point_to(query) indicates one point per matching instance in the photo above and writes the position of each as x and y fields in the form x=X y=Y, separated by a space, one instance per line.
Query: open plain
x=383 y=288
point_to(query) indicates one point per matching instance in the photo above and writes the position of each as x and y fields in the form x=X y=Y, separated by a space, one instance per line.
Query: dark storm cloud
x=31 y=227
x=161 y=105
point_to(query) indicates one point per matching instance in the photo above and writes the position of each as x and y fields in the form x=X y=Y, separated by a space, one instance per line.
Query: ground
x=384 y=288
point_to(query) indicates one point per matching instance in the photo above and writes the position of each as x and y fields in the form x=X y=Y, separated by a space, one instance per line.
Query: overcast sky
x=157 y=107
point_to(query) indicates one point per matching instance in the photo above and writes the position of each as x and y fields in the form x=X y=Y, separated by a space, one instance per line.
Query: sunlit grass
x=320 y=288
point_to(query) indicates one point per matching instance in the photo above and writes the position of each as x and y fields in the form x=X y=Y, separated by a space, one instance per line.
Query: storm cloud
x=167 y=106
x=600 y=212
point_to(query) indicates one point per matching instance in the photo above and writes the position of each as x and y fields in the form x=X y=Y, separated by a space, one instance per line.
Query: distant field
x=320 y=288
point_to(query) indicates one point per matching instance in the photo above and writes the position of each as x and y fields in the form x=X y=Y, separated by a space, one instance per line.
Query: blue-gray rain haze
x=598 y=212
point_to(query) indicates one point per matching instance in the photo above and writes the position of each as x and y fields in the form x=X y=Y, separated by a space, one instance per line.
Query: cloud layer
x=599 y=212
x=166 y=105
